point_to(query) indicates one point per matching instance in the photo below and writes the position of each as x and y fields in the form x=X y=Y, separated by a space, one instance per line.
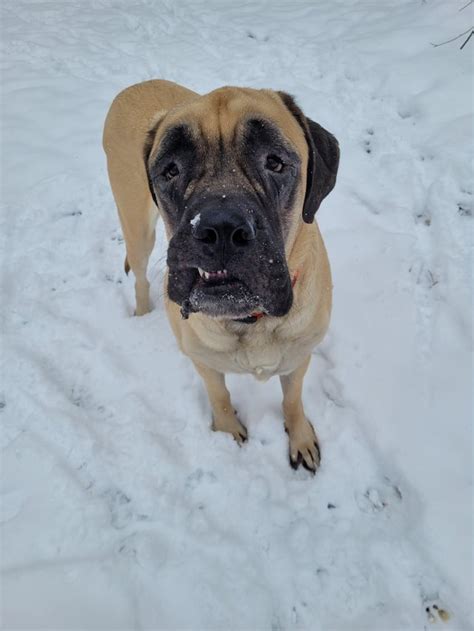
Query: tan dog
x=237 y=176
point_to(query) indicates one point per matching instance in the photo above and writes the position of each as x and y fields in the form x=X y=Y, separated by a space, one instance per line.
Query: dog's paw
x=230 y=425
x=142 y=309
x=304 y=447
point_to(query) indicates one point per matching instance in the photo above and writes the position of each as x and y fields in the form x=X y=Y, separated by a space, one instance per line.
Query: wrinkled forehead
x=231 y=116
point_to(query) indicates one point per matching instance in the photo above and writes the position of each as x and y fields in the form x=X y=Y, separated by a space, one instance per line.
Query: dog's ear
x=323 y=159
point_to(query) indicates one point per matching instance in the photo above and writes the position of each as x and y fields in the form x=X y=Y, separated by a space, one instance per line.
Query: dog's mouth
x=221 y=294
x=210 y=279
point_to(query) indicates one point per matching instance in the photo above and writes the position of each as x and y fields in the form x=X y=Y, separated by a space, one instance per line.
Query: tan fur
x=271 y=346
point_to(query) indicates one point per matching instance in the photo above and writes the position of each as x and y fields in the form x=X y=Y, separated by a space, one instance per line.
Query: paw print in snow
x=435 y=612
x=375 y=500
x=368 y=140
x=465 y=204
x=465 y=209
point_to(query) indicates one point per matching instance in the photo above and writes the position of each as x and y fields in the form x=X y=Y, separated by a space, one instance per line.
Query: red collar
x=256 y=315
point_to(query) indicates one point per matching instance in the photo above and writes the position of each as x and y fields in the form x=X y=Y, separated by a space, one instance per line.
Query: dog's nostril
x=207 y=235
x=241 y=236
x=210 y=236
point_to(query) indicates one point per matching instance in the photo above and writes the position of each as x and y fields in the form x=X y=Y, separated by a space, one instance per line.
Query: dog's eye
x=274 y=164
x=171 y=171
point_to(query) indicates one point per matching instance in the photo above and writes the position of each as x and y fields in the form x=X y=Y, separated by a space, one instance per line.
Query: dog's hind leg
x=138 y=215
x=303 y=448
x=140 y=243
x=224 y=418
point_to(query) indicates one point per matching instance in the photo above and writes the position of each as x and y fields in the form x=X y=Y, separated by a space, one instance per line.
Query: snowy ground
x=120 y=509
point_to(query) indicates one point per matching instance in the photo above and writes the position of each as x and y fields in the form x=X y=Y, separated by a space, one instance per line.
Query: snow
x=120 y=508
x=195 y=220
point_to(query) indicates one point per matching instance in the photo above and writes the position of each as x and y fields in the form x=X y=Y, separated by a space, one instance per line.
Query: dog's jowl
x=237 y=176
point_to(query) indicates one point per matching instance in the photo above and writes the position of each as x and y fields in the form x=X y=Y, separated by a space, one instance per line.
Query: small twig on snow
x=469 y=30
x=470 y=35
x=466 y=5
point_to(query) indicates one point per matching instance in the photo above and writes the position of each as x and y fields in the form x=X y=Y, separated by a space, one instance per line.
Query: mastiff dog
x=237 y=176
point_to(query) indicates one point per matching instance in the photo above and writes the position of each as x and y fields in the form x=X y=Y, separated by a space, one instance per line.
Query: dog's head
x=234 y=173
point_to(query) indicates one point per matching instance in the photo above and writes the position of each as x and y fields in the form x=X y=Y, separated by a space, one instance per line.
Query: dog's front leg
x=304 y=448
x=224 y=418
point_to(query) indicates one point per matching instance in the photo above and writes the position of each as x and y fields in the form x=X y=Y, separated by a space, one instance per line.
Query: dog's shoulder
x=134 y=109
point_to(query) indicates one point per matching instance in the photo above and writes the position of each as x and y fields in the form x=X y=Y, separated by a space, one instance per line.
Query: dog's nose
x=223 y=229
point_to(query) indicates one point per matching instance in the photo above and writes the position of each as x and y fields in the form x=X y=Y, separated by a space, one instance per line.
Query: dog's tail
x=126 y=266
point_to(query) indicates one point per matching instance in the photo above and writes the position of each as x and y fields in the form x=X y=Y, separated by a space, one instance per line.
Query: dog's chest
x=261 y=356
x=260 y=352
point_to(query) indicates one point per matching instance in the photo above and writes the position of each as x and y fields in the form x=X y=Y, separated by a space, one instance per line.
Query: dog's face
x=234 y=173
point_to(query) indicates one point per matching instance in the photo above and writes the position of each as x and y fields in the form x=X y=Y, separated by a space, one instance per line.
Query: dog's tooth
x=219 y=275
